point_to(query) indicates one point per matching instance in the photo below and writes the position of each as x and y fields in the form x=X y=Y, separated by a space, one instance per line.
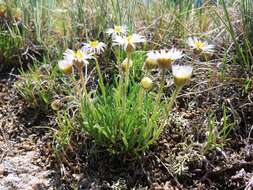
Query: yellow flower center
x=94 y=44
x=129 y=39
x=199 y=45
x=78 y=54
x=117 y=29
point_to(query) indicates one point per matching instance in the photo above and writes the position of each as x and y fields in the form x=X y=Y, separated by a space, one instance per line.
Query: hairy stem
x=173 y=99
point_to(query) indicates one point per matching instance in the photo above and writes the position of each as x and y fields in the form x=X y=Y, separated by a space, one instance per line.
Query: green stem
x=127 y=69
x=158 y=99
x=159 y=95
x=126 y=83
x=173 y=99
x=100 y=82
x=119 y=59
x=140 y=98
x=82 y=87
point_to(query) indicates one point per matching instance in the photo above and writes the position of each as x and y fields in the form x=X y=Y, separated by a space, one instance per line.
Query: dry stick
x=249 y=184
x=167 y=169
x=199 y=92
x=6 y=141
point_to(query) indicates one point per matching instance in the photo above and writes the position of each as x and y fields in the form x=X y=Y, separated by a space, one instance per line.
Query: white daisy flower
x=79 y=57
x=95 y=47
x=165 y=58
x=66 y=66
x=200 y=46
x=181 y=74
x=117 y=30
x=151 y=60
x=128 y=42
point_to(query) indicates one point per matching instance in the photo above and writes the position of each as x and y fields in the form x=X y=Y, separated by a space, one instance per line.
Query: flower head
x=166 y=58
x=128 y=42
x=79 y=57
x=181 y=74
x=66 y=66
x=200 y=46
x=151 y=60
x=95 y=46
x=117 y=30
x=146 y=83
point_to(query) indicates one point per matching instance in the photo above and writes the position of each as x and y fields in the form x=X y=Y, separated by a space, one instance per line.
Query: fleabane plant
x=94 y=47
x=125 y=117
x=129 y=42
x=117 y=31
x=79 y=59
x=201 y=48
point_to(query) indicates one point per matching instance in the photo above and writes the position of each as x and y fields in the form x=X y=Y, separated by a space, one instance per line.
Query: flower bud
x=181 y=74
x=126 y=64
x=65 y=66
x=146 y=83
x=56 y=105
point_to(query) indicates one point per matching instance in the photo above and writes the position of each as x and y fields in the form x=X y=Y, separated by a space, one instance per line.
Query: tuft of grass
x=243 y=49
x=218 y=137
x=10 y=44
x=246 y=8
x=122 y=125
x=65 y=129
x=40 y=85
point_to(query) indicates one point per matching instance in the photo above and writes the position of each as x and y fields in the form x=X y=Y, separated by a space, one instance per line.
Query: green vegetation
x=218 y=137
x=41 y=85
x=122 y=72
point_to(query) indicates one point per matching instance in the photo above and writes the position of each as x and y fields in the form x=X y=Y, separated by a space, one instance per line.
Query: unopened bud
x=146 y=83
x=126 y=64
x=65 y=66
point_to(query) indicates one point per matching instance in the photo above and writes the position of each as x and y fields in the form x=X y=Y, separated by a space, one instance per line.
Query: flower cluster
x=132 y=101
x=164 y=59
x=80 y=58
